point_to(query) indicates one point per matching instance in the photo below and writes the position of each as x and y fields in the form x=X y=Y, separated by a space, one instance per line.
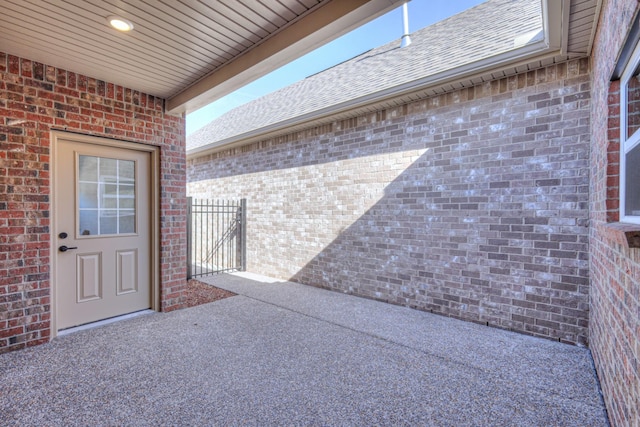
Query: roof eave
x=324 y=24
x=548 y=47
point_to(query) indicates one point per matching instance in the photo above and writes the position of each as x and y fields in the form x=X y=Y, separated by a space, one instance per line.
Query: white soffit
x=188 y=52
x=308 y=33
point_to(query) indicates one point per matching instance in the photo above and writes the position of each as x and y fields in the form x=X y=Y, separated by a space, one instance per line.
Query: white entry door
x=102 y=232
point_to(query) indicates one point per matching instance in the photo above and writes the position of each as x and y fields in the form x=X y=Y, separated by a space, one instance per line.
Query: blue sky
x=373 y=34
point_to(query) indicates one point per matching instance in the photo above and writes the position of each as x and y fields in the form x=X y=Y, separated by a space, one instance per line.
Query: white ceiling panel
x=177 y=48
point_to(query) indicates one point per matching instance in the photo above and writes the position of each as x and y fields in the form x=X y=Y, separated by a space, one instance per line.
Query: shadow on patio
x=284 y=353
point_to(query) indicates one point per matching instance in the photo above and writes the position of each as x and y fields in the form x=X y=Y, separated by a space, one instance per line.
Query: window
x=630 y=140
x=106 y=196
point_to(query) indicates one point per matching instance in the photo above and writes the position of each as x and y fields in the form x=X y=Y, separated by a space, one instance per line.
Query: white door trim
x=154 y=180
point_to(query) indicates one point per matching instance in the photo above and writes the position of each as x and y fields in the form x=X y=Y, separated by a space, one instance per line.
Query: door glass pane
x=126 y=171
x=88 y=169
x=106 y=196
x=127 y=221
x=108 y=171
x=633 y=103
x=88 y=222
x=126 y=197
x=110 y=196
x=108 y=221
x=632 y=182
x=88 y=195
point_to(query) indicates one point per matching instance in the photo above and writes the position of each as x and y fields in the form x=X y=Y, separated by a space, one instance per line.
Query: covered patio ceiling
x=186 y=51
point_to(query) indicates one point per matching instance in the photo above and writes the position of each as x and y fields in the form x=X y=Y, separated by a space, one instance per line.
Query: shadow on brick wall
x=483 y=242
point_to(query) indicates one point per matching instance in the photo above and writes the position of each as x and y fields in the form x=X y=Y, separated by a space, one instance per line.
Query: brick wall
x=472 y=204
x=35 y=98
x=615 y=269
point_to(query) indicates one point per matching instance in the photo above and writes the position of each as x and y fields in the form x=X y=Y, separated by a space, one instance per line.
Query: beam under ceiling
x=324 y=24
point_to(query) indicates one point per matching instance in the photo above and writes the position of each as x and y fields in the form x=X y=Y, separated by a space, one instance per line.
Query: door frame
x=154 y=220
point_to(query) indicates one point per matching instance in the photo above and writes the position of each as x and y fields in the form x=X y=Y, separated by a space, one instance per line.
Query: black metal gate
x=216 y=231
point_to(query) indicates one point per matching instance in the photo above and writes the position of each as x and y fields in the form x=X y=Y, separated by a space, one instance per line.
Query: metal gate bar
x=216 y=233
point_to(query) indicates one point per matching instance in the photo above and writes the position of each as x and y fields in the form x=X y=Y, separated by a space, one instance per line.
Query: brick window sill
x=624 y=233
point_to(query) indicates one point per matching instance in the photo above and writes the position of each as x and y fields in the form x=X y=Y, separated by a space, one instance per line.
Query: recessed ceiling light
x=120 y=24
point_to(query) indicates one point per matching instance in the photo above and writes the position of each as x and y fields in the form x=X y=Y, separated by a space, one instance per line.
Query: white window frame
x=627 y=142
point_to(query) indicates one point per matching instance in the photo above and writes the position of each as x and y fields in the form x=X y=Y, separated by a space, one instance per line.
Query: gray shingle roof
x=481 y=32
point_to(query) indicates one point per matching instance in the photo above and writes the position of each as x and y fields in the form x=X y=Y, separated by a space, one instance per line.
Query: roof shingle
x=489 y=29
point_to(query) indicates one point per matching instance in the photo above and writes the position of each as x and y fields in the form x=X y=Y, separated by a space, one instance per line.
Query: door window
x=106 y=196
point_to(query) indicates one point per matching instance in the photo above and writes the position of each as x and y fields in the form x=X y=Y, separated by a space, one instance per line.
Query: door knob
x=64 y=248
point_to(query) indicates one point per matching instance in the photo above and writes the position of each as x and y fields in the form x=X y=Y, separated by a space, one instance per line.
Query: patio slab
x=281 y=353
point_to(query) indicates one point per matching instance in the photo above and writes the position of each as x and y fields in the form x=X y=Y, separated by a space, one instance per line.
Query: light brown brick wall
x=615 y=269
x=472 y=204
x=34 y=99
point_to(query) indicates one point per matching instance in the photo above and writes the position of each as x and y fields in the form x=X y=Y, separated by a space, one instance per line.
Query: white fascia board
x=548 y=47
x=553 y=17
x=564 y=41
x=594 y=28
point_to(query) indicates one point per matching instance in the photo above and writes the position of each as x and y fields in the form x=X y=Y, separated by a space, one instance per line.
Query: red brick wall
x=615 y=269
x=34 y=99
x=471 y=204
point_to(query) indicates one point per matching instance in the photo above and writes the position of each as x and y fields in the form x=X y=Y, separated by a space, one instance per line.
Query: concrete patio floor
x=281 y=353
